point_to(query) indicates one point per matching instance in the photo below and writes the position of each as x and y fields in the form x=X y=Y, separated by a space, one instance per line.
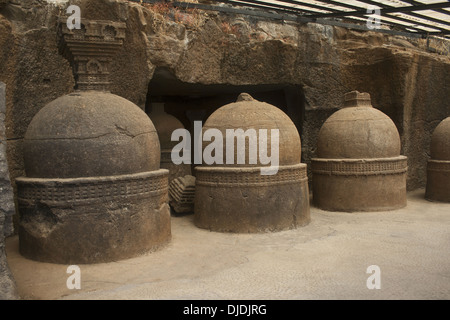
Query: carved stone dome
x=440 y=141
x=359 y=166
x=359 y=132
x=90 y=134
x=228 y=196
x=438 y=167
x=93 y=191
x=248 y=113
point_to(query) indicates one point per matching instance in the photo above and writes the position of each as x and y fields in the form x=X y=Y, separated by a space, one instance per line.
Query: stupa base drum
x=93 y=190
x=238 y=199
x=360 y=184
x=438 y=181
x=93 y=220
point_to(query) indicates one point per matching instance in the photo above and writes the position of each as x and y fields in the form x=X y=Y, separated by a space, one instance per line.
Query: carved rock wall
x=7 y=285
x=405 y=81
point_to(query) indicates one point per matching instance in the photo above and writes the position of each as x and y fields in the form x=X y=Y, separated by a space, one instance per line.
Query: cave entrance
x=191 y=102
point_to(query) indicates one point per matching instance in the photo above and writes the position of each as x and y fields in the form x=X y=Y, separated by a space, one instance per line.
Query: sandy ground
x=328 y=259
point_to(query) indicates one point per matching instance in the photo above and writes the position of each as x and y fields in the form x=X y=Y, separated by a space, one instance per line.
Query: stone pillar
x=7 y=285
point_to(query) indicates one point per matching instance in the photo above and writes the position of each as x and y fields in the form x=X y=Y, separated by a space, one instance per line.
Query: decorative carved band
x=359 y=167
x=438 y=165
x=248 y=177
x=87 y=190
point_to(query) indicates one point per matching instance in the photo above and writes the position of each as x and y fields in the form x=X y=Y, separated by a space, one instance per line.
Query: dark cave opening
x=190 y=102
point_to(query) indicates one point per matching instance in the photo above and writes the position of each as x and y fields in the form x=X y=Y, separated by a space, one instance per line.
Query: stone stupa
x=238 y=197
x=94 y=191
x=358 y=165
x=438 y=169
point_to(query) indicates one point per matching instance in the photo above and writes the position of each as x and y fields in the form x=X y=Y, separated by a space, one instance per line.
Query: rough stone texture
x=237 y=197
x=438 y=181
x=359 y=185
x=359 y=167
x=6 y=193
x=93 y=191
x=182 y=194
x=165 y=124
x=90 y=134
x=353 y=133
x=255 y=115
x=440 y=142
x=405 y=81
x=93 y=220
x=438 y=169
x=7 y=285
x=241 y=201
x=8 y=289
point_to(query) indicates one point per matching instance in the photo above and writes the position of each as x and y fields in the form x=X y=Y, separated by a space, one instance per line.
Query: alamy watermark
x=374 y=19
x=235 y=147
x=74 y=21
x=74 y=280
x=374 y=280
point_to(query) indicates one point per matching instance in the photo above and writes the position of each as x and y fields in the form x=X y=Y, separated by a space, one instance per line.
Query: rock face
x=359 y=167
x=93 y=190
x=404 y=80
x=6 y=192
x=236 y=196
x=7 y=285
x=438 y=173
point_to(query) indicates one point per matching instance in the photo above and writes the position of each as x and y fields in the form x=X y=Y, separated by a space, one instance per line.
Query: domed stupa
x=438 y=169
x=165 y=125
x=239 y=193
x=358 y=165
x=94 y=191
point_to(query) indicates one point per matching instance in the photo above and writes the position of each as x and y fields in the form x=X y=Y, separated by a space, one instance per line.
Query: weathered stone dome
x=93 y=191
x=359 y=166
x=438 y=167
x=241 y=197
x=165 y=124
x=248 y=113
x=440 y=141
x=358 y=133
x=90 y=134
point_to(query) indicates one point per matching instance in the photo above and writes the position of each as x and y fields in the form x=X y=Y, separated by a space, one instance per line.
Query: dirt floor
x=328 y=259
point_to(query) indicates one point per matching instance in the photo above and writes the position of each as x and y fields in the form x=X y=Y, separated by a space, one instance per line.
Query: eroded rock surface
x=7 y=285
x=404 y=80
